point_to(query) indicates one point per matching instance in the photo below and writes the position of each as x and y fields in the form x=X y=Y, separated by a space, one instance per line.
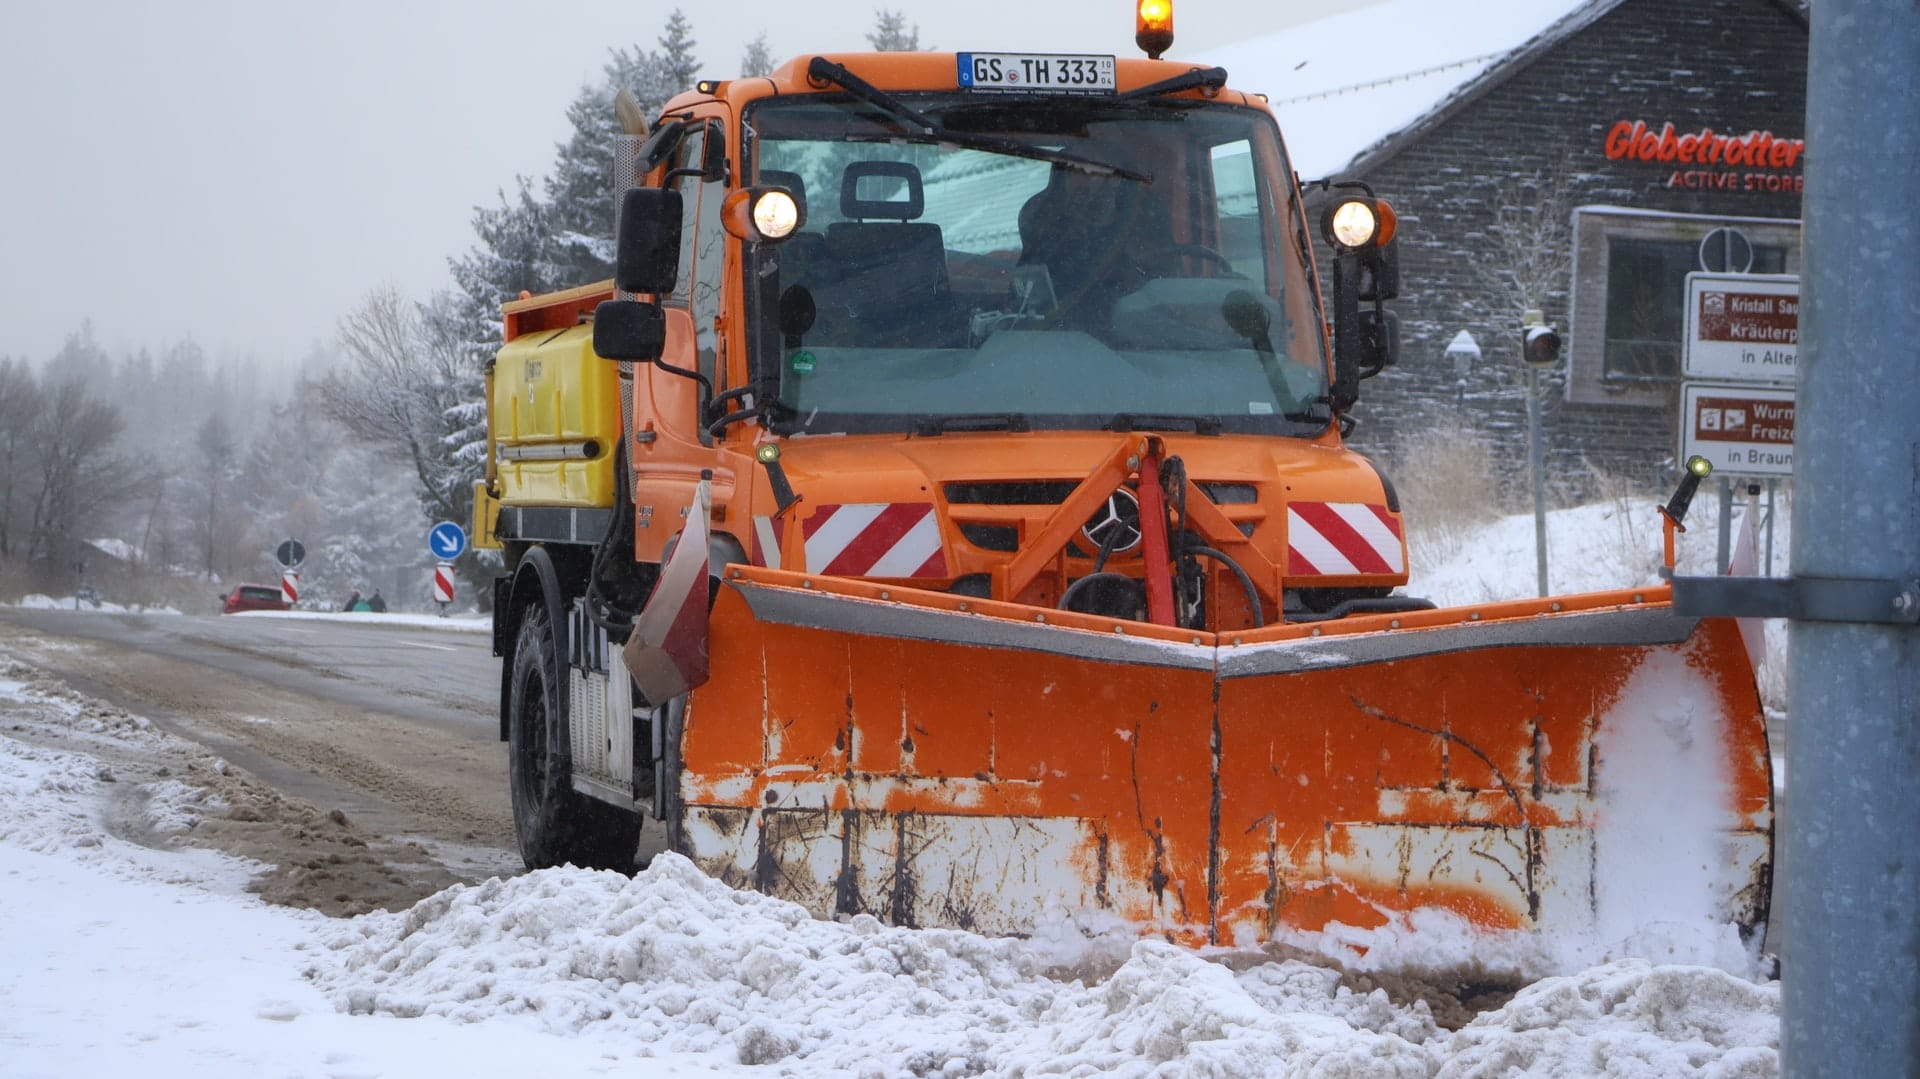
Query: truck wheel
x=554 y=824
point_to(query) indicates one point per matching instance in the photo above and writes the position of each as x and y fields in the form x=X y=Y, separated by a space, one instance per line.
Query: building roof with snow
x=1350 y=88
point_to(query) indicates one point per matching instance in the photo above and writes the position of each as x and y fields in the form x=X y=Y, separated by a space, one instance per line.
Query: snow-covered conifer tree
x=758 y=59
x=890 y=33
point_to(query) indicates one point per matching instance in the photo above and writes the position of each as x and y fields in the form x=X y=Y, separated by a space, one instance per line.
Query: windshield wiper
x=929 y=426
x=1211 y=78
x=1125 y=422
x=825 y=70
x=923 y=128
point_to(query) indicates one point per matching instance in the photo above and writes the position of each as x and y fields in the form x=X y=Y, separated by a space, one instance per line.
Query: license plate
x=1071 y=74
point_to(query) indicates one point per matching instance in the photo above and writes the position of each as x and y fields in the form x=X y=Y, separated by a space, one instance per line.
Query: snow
x=1342 y=83
x=458 y=623
x=119 y=954
x=40 y=601
x=115 y=548
x=1659 y=842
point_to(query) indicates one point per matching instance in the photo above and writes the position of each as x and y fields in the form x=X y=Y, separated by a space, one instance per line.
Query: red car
x=253 y=597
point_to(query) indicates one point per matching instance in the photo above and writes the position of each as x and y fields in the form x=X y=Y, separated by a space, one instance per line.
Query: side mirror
x=1366 y=340
x=632 y=330
x=660 y=145
x=648 y=256
x=1379 y=341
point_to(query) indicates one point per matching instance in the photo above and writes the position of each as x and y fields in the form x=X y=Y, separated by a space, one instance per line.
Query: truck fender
x=535 y=580
x=722 y=550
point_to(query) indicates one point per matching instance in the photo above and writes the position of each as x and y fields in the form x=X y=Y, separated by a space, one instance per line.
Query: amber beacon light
x=1153 y=27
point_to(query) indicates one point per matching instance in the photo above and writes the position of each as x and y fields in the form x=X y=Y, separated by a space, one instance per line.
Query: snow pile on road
x=673 y=962
x=40 y=601
x=677 y=961
x=462 y=623
x=1627 y=1018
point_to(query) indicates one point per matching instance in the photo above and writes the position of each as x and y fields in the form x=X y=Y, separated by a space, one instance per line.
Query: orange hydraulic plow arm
x=1153 y=540
x=1141 y=456
x=1042 y=548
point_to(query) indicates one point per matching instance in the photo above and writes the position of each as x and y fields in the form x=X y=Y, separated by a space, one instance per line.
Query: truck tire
x=553 y=823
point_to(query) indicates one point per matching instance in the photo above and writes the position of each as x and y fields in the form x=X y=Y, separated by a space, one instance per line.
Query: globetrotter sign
x=1635 y=140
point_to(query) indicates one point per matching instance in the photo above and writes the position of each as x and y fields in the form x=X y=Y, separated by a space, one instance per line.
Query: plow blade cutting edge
x=1562 y=767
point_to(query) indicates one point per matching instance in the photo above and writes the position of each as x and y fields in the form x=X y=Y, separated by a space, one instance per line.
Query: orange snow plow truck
x=943 y=515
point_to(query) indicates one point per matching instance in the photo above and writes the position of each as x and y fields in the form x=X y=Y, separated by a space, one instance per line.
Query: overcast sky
x=242 y=172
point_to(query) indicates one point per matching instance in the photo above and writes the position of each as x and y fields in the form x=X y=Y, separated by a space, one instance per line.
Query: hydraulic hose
x=1246 y=582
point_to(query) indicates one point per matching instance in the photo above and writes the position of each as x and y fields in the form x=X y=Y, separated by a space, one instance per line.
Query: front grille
x=1230 y=494
x=1054 y=492
x=1014 y=493
x=992 y=537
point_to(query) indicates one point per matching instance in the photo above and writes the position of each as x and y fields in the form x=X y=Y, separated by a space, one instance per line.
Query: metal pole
x=1773 y=507
x=1537 y=459
x=1849 y=895
x=1723 y=551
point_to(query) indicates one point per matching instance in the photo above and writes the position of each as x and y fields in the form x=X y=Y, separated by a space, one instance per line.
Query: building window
x=1644 y=312
x=1629 y=294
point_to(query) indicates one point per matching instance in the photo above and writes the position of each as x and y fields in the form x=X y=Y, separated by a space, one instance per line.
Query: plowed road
x=395 y=725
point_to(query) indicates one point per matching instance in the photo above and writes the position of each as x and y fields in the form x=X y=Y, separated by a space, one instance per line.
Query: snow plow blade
x=934 y=759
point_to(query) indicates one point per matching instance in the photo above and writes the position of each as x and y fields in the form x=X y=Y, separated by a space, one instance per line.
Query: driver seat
x=1081 y=227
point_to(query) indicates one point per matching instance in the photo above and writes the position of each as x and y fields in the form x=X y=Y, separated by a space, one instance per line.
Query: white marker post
x=443 y=586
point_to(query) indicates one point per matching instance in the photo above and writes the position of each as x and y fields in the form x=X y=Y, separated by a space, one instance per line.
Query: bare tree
x=20 y=406
x=77 y=474
x=215 y=444
x=156 y=548
x=409 y=388
x=1531 y=260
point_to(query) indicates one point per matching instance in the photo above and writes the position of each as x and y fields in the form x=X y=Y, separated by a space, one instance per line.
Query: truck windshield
x=936 y=281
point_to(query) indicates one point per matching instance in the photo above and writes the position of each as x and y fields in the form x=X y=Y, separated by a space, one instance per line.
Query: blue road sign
x=447 y=540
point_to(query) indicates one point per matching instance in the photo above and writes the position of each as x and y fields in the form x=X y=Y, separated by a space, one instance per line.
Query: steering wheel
x=1165 y=253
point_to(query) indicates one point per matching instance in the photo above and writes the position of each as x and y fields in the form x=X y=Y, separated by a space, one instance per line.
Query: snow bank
x=673 y=962
x=40 y=601
x=1626 y=1018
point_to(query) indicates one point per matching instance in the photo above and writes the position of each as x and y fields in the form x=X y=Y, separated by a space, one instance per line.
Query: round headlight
x=776 y=214
x=1353 y=223
x=768 y=453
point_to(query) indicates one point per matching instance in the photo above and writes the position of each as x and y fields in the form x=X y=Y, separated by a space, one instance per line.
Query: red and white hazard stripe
x=766 y=543
x=443 y=583
x=874 y=539
x=290 y=587
x=1342 y=539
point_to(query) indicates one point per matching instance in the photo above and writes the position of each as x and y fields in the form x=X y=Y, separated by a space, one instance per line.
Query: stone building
x=1578 y=158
